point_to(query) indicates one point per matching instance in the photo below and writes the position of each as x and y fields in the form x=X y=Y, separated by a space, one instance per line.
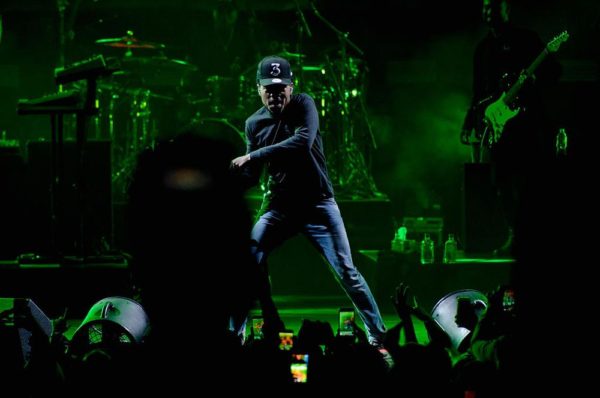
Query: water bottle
x=426 y=250
x=561 y=142
x=401 y=233
x=450 y=250
x=399 y=243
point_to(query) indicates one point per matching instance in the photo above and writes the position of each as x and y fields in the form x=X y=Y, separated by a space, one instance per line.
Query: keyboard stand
x=82 y=103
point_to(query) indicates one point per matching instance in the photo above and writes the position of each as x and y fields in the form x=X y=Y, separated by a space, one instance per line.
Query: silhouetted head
x=225 y=14
x=495 y=13
x=469 y=312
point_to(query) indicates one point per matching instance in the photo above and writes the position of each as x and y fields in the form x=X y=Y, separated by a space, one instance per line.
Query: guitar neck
x=511 y=94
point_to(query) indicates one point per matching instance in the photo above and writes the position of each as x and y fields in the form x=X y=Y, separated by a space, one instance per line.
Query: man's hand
x=240 y=161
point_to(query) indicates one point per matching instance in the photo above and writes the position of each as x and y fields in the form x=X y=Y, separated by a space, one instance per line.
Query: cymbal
x=129 y=41
x=183 y=64
x=287 y=54
x=312 y=68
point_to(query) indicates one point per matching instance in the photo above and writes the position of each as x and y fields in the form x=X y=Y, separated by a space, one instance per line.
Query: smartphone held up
x=346 y=322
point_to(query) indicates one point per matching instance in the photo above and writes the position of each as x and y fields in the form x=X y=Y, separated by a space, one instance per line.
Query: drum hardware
x=352 y=136
x=133 y=127
x=228 y=97
x=139 y=102
x=220 y=90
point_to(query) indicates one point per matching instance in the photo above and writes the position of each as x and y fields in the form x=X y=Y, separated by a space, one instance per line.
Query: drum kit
x=150 y=100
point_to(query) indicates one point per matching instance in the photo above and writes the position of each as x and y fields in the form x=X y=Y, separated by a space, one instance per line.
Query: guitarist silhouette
x=505 y=124
x=505 y=108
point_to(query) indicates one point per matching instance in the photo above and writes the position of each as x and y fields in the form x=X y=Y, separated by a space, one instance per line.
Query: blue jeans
x=322 y=224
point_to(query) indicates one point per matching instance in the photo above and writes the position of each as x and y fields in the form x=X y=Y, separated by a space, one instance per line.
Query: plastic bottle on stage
x=450 y=250
x=401 y=233
x=561 y=142
x=427 y=254
x=399 y=244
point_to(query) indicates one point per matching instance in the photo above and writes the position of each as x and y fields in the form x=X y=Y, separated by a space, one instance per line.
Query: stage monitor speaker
x=23 y=328
x=83 y=209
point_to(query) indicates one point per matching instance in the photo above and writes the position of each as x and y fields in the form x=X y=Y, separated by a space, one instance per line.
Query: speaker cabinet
x=81 y=207
x=484 y=226
x=28 y=329
x=12 y=183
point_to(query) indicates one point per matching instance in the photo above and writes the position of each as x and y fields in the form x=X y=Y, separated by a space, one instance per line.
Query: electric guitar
x=499 y=112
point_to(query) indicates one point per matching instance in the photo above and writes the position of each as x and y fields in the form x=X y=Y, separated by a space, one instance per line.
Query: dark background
x=416 y=70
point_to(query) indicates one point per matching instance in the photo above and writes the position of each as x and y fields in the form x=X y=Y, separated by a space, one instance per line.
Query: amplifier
x=418 y=226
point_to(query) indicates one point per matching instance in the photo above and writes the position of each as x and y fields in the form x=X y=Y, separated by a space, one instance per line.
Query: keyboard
x=66 y=101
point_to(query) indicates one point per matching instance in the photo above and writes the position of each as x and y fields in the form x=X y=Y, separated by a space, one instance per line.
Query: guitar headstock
x=555 y=43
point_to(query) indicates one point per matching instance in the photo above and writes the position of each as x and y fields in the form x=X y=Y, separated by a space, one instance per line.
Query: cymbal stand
x=344 y=43
x=350 y=172
x=141 y=135
x=302 y=29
